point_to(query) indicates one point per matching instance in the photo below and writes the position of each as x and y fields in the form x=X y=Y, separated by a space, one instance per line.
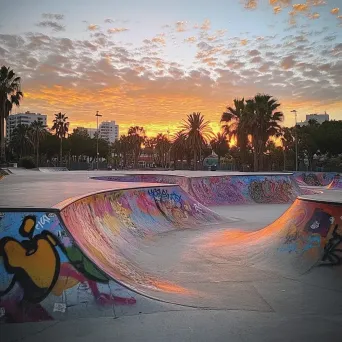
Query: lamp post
x=296 y=137
x=97 y=139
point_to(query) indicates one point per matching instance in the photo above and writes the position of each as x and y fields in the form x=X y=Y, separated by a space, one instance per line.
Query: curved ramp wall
x=47 y=271
x=309 y=233
x=336 y=183
x=314 y=178
x=225 y=190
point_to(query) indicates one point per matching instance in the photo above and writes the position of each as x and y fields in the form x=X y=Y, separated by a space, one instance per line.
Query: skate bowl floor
x=151 y=251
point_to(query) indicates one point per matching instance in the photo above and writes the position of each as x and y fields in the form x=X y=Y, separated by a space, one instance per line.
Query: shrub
x=27 y=163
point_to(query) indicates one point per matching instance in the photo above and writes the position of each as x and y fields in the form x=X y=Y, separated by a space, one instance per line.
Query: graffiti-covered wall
x=314 y=178
x=224 y=190
x=44 y=275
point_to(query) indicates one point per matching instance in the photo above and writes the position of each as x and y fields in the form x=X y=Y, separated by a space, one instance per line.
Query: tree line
x=251 y=136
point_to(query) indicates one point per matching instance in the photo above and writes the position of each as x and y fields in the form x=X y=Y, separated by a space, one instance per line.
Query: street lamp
x=294 y=111
x=97 y=139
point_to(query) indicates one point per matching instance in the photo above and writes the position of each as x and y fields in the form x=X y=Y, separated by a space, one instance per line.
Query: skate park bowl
x=120 y=249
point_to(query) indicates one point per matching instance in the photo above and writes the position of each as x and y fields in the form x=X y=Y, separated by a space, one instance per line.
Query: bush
x=27 y=163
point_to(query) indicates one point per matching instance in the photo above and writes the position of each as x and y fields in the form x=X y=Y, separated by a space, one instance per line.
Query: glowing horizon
x=155 y=66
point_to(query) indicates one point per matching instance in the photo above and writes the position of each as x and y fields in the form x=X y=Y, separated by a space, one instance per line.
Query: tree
x=38 y=130
x=219 y=145
x=287 y=140
x=197 y=133
x=10 y=94
x=136 y=136
x=162 y=148
x=20 y=142
x=263 y=121
x=179 y=148
x=61 y=127
x=235 y=125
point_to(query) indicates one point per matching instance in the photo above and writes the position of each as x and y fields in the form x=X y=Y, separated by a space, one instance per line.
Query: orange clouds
x=335 y=11
x=93 y=27
x=117 y=30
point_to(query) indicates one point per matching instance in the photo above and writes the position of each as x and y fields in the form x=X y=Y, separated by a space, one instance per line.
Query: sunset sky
x=150 y=63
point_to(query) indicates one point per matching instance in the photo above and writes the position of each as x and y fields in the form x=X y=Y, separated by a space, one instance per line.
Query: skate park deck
x=236 y=301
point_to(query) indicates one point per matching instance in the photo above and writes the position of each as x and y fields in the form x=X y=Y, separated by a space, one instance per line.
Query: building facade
x=26 y=118
x=319 y=118
x=108 y=130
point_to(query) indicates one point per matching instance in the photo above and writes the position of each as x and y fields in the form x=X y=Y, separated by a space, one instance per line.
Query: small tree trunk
x=195 y=159
x=2 y=135
x=61 y=152
x=37 y=153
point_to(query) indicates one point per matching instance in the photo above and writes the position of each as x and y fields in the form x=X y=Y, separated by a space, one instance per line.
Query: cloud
x=314 y=15
x=251 y=4
x=288 y=62
x=277 y=9
x=109 y=21
x=93 y=27
x=181 y=26
x=191 y=39
x=254 y=52
x=53 y=16
x=56 y=27
x=300 y=7
x=117 y=30
x=206 y=25
x=159 y=40
x=335 y=11
x=243 y=41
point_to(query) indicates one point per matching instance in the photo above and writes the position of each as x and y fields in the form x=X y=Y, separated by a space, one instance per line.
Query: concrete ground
x=247 y=304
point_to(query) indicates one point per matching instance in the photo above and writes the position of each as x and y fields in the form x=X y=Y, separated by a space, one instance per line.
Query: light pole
x=296 y=137
x=97 y=139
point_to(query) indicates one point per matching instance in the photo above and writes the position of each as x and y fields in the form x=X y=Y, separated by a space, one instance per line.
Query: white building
x=91 y=131
x=27 y=118
x=109 y=131
x=320 y=118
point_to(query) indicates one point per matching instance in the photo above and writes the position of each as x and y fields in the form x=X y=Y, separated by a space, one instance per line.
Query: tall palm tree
x=235 y=125
x=137 y=137
x=219 y=145
x=263 y=120
x=162 y=148
x=38 y=130
x=197 y=132
x=61 y=128
x=10 y=94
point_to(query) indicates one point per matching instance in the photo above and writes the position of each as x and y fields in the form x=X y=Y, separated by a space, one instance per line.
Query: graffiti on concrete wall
x=271 y=191
x=42 y=271
x=312 y=226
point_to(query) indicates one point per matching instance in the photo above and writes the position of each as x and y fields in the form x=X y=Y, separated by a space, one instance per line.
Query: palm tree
x=197 y=133
x=10 y=95
x=20 y=141
x=179 y=147
x=162 y=148
x=287 y=140
x=219 y=145
x=263 y=121
x=235 y=125
x=38 y=130
x=137 y=137
x=61 y=127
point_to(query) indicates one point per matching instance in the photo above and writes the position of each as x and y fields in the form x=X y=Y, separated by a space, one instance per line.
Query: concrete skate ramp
x=226 y=189
x=123 y=251
x=314 y=178
x=336 y=183
x=53 y=169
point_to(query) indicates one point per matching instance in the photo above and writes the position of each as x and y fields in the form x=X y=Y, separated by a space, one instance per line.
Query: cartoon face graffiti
x=34 y=262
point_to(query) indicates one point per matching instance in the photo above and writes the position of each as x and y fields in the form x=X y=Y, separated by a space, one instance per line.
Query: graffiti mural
x=314 y=178
x=43 y=272
x=225 y=190
x=309 y=226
